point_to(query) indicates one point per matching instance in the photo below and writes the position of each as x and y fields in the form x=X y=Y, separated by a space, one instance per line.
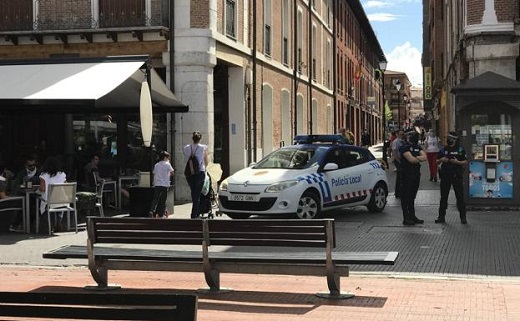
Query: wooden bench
x=259 y=246
x=99 y=306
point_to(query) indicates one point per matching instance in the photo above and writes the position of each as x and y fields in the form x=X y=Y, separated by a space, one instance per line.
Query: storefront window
x=98 y=134
x=491 y=129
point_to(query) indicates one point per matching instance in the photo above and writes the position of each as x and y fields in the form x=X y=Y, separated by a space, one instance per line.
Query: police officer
x=411 y=157
x=452 y=159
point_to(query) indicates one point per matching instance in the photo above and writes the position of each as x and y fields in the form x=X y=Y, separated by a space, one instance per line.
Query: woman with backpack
x=196 y=157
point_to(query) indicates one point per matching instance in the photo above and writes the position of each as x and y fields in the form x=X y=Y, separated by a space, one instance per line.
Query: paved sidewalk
x=274 y=297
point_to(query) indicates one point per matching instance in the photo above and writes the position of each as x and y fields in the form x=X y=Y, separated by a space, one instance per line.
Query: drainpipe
x=254 y=81
x=172 y=73
x=296 y=65
x=310 y=69
x=334 y=68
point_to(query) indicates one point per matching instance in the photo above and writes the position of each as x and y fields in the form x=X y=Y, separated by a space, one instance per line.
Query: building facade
x=473 y=66
x=51 y=31
x=254 y=73
x=257 y=72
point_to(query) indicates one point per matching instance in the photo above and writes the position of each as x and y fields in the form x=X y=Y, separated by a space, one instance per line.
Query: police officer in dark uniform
x=411 y=157
x=452 y=159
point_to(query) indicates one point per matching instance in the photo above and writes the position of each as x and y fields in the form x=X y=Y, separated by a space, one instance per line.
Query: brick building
x=472 y=65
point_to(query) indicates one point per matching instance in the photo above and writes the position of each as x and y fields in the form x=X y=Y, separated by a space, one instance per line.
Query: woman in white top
x=51 y=174
x=196 y=181
x=432 y=150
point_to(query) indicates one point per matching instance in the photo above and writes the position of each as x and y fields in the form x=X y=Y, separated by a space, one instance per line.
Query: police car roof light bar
x=313 y=139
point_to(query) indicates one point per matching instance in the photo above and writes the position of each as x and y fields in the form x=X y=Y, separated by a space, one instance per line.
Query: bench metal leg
x=100 y=275
x=333 y=281
x=212 y=276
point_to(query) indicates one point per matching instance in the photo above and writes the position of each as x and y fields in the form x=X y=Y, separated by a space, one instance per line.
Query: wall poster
x=502 y=187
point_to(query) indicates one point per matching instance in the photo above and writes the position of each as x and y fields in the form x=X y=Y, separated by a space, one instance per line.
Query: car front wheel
x=378 y=199
x=308 y=206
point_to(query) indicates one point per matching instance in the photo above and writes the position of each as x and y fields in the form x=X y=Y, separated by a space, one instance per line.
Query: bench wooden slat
x=99 y=306
x=368 y=258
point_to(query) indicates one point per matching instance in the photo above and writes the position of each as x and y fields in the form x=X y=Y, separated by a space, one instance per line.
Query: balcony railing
x=22 y=15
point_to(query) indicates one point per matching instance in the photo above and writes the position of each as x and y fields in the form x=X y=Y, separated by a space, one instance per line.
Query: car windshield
x=292 y=158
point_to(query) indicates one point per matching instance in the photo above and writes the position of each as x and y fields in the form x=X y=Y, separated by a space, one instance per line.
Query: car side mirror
x=330 y=167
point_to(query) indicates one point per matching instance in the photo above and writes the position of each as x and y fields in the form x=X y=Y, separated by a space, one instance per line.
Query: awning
x=82 y=86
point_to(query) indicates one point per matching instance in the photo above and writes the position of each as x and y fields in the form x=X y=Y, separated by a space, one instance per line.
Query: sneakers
x=16 y=229
x=408 y=223
x=440 y=220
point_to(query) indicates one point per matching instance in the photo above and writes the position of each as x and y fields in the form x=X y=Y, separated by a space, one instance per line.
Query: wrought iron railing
x=24 y=15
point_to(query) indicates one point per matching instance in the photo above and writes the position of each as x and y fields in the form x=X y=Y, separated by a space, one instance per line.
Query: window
x=16 y=15
x=491 y=129
x=285 y=32
x=231 y=18
x=299 y=40
x=314 y=52
x=267 y=28
x=117 y=13
x=267 y=35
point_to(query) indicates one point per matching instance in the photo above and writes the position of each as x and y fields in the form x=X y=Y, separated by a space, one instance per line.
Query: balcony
x=63 y=15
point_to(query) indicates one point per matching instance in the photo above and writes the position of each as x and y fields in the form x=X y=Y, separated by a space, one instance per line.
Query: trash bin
x=140 y=201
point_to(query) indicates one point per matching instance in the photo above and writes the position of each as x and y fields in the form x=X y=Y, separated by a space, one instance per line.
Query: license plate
x=244 y=198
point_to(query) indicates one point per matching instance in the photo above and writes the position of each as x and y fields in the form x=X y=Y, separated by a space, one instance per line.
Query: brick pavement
x=263 y=297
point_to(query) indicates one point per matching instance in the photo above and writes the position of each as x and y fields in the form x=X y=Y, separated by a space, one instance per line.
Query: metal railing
x=24 y=15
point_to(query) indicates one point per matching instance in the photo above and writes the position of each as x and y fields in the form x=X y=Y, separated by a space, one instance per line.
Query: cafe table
x=28 y=191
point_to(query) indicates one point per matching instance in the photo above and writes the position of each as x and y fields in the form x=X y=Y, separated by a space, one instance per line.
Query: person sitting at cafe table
x=16 y=225
x=9 y=176
x=30 y=174
x=93 y=179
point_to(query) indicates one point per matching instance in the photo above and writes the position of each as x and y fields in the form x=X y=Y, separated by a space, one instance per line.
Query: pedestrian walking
x=396 y=159
x=162 y=172
x=365 y=139
x=453 y=161
x=196 y=180
x=412 y=155
x=433 y=143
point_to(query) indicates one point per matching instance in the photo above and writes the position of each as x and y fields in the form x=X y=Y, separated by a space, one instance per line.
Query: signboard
x=501 y=187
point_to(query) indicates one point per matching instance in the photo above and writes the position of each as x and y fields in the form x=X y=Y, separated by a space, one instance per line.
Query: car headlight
x=223 y=185
x=278 y=187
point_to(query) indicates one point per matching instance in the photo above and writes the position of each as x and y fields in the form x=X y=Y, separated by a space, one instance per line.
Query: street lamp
x=382 y=68
x=398 y=87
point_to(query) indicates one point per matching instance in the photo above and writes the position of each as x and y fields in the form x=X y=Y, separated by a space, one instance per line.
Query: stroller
x=208 y=202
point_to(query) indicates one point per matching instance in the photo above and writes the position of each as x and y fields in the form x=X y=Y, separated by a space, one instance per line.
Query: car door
x=341 y=183
x=362 y=169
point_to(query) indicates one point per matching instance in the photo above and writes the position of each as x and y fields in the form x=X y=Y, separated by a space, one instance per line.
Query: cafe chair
x=100 y=190
x=101 y=187
x=61 y=198
x=9 y=208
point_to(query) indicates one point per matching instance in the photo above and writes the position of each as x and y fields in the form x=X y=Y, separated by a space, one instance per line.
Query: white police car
x=315 y=174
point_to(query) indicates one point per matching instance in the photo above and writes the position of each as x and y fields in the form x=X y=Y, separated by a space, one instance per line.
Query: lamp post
x=382 y=67
x=405 y=103
x=398 y=87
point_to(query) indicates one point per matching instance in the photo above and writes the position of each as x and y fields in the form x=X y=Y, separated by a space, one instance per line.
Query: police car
x=317 y=173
